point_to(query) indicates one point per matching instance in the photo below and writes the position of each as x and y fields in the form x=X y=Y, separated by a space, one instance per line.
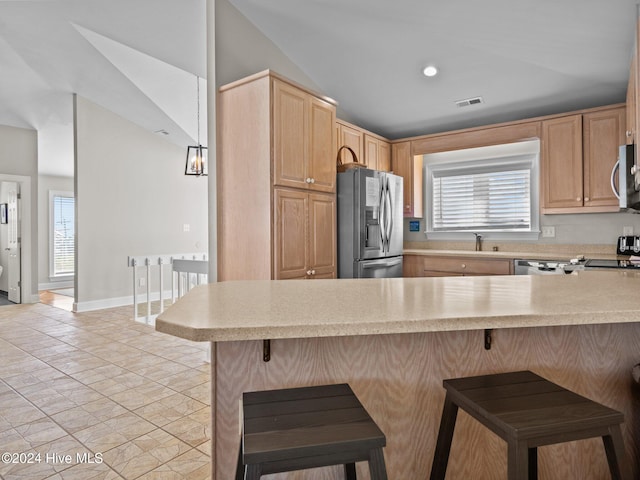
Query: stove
x=626 y=264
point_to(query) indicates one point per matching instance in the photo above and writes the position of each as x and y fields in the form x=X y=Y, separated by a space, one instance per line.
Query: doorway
x=15 y=240
x=10 y=255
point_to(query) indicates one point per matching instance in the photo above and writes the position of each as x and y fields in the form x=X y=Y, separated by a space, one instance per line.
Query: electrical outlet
x=549 y=231
x=627 y=230
x=142 y=282
x=186 y=227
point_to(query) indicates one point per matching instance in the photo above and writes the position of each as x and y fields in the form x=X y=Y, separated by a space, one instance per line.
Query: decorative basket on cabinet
x=343 y=167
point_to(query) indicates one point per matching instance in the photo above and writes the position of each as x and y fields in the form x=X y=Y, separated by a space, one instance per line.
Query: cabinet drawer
x=466 y=266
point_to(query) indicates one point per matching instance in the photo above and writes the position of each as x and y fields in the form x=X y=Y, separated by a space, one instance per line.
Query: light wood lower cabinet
x=304 y=235
x=450 y=266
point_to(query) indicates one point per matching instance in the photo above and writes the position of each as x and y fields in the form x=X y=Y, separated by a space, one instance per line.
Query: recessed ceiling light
x=430 y=71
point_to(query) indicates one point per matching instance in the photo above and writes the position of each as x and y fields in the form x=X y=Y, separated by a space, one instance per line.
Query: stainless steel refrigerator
x=370 y=224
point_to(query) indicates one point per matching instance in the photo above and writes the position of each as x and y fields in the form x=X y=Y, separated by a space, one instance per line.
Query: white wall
x=19 y=163
x=47 y=183
x=252 y=51
x=132 y=198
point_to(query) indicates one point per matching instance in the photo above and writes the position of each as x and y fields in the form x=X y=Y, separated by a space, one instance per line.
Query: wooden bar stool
x=528 y=412
x=300 y=428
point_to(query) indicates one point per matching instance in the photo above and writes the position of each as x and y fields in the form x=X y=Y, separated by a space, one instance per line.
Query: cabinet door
x=290 y=142
x=631 y=102
x=352 y=138
x=371 y=152
x=561 y=166
x=403 y=164
x=603 y=133
x=322 y=235
x=412 y=266
x=290 y=236
x=384 y=156
x=322 y=152
x=377 y=153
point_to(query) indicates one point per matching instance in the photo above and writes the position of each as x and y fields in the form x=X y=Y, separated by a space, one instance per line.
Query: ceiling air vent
x=469 y=101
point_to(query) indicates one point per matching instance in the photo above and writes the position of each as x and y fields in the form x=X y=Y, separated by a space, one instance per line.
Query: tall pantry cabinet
x=276 y=181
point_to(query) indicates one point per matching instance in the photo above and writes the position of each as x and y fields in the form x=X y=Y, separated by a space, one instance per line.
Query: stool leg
x=445 y=436
x=350 y=471
x=616 y=456
x=377 y=468
x=252 y=472
x=518 y=460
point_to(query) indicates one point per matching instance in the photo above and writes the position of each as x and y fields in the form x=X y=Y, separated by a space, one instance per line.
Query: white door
x=13 y=244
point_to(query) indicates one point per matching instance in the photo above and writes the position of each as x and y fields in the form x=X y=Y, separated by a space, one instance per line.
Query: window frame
x=480 y=158
x=52 y=195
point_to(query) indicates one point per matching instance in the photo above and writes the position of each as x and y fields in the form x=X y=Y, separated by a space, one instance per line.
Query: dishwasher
x=546 y=267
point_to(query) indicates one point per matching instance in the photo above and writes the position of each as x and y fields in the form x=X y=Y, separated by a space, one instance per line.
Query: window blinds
x=491 y=197
x=63 y=235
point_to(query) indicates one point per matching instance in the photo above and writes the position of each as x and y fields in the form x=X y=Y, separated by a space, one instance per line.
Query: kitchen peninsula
x=395 y=340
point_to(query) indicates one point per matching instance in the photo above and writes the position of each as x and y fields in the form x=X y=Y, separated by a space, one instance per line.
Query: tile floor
x=98 y=396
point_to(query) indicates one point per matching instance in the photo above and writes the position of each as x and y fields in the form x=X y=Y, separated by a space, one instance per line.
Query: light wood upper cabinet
x=322 y=154
x=303 y=129
x=632 y=101
x=352 y=137
x=377 y=153
x=578 y=153
x=371 y=149
x=562 y=162
x=410 y=169
x=603 y=133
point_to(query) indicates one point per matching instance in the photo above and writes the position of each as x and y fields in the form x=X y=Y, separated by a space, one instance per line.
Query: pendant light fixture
x=197 y=161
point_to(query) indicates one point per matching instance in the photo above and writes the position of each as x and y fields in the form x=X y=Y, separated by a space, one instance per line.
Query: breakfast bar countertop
x=272 y=309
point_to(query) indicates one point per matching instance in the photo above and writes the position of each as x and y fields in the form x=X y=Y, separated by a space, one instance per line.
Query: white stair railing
x=186 y=270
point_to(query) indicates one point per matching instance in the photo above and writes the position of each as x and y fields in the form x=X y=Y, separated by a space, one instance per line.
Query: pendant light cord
x=198 y=106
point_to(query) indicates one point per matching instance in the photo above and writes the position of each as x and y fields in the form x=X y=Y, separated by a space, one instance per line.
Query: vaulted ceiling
x=141 y=59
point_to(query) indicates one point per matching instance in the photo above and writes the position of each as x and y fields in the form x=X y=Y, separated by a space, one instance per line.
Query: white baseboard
x=91 y=305
x=55 y=285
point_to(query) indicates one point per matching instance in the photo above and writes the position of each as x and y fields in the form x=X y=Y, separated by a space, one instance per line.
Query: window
x=62 y=244
x=489 y=190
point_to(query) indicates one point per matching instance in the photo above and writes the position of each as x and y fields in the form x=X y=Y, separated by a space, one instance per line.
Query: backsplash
x=583 y=229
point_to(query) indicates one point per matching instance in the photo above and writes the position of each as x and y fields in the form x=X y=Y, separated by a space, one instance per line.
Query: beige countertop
x=257 y=310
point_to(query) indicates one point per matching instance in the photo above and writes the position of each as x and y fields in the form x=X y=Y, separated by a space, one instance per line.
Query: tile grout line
x=69 y=376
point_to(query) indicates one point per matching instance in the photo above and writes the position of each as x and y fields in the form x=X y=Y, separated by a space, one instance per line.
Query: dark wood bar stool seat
x=528 y=412
x=300 y=428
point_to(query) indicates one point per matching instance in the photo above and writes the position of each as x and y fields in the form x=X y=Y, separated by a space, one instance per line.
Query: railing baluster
x=188 y=273
x=148 y=265
x=134 y=265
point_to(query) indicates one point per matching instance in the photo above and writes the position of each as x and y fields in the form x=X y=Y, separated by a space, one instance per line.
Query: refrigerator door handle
x=382 y=213
x=389 y=227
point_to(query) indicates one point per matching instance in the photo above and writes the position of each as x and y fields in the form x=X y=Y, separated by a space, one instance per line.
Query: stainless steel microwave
x=628 y=176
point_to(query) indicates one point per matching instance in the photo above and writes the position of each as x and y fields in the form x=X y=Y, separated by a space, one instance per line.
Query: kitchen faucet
x=478 y=242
